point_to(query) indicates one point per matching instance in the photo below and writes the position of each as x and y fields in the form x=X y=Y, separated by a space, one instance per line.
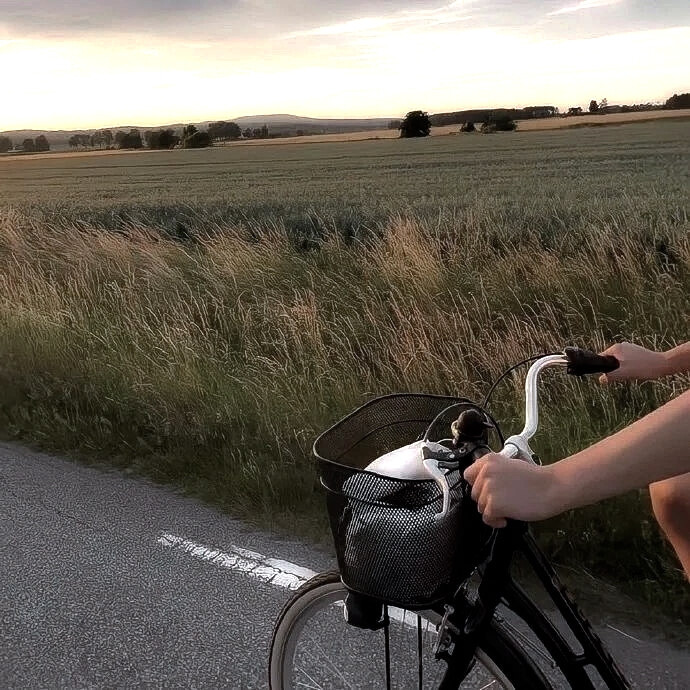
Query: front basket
x=388 y=541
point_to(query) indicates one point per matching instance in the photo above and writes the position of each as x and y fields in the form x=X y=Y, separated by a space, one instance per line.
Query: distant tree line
x=189 y=138
x=418 y=123
x=37 y=145
x=256 y=133
x=601 y=107
x=493 y=114
x=415 y=124
x=100 y=138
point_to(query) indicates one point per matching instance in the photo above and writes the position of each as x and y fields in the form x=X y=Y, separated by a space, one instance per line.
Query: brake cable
x=511 y=370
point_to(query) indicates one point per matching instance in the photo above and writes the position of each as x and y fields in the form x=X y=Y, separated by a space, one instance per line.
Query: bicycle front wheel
x=314 y=647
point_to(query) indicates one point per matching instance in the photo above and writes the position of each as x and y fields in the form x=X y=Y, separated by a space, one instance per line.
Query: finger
x=491 y=518
x=613 y=349
x=470 y=474
x=604 y=380
x=495 y=523
x=476 y=492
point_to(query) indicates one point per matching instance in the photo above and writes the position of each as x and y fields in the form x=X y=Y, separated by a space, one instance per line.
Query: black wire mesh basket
x=389 y=541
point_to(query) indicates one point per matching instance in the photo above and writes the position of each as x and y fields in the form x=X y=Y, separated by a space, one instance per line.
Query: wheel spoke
x=322 y=651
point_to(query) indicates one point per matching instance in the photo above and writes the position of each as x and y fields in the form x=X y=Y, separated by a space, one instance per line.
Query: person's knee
x=671 y=504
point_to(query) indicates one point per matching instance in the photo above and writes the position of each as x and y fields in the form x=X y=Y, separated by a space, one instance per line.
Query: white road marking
x=270 y=570
x=623 y=633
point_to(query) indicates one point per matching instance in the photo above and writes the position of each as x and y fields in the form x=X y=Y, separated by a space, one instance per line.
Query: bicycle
x=418 y=567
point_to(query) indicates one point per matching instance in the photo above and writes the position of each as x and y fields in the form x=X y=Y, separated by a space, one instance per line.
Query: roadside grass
x=211 y=362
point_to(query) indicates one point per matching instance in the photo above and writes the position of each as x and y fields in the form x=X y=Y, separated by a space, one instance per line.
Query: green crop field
x=355 y=185
x=199 y=316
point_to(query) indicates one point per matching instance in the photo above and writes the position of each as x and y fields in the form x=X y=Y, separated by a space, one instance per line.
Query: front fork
x=471 y=620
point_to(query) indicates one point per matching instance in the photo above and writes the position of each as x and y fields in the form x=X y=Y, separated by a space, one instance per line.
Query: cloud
x=584 y=5
x=446 y=14
x=84 y=18
x=213 y=19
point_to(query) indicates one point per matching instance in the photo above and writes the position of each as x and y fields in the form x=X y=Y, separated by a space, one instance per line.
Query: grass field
x=199 y=316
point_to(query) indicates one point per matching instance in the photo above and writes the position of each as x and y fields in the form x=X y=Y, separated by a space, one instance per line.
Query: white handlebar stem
x=518 y=446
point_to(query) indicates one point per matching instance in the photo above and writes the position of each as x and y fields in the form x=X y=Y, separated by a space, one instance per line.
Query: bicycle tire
x=498 y=651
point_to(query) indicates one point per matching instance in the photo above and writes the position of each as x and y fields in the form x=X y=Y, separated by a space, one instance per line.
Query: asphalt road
x=95 y=591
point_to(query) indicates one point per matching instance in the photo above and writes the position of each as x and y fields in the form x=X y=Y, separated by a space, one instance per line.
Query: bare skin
x=504 y=488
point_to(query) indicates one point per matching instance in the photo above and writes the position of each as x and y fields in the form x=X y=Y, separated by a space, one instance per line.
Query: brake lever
x=516 y=447
x=432 y=467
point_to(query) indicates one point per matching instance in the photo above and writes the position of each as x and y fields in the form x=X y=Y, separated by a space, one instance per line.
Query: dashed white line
x=271 y=570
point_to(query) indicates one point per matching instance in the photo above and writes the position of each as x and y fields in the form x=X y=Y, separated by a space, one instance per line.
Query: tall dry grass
x=214 y=363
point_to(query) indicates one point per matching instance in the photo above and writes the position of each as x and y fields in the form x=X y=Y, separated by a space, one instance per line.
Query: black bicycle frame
x=498 y=586
x=573 y=665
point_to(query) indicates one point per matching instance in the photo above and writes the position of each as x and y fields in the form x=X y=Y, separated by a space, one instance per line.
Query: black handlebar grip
x=582 y=362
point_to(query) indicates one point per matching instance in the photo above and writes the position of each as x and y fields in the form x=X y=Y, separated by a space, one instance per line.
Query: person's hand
x=635 y=363
x=507 y=488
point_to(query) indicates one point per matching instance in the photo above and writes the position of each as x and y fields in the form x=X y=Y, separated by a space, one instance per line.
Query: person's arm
x=652 y=449
x=639 y=363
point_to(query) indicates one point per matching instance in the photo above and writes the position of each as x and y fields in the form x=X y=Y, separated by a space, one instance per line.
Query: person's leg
x=671 y=504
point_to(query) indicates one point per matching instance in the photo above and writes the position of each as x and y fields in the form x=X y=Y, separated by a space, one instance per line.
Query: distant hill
x=281 y=124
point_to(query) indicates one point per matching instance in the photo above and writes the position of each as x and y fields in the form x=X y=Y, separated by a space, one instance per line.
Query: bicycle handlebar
x=579 y=362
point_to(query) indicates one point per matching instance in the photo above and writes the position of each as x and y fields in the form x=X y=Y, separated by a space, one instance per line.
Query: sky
x=72 y=64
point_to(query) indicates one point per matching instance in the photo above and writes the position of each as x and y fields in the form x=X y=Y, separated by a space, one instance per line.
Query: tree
x=415 y=124
x=198 y=140
x=468 y=127
x=83 y=140
x=5 y=144
x=41 y=143
x=100 y=138
x=603 y=104
x=168 y=139
x=259 y=133
x=224 y=130
x=129 y=140
x=28 y=145
x=151 y=139
x=593 y=107
x=247 y=134
x=134 y=139
x=161 y=139
x=189 y=131
x=678 y=101
x=504 y=123
x=498 y=123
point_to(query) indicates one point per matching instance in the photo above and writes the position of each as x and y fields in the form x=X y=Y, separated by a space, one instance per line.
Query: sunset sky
x=80 y=63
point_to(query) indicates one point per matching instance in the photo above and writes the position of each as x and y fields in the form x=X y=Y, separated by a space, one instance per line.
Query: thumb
x=604 y=380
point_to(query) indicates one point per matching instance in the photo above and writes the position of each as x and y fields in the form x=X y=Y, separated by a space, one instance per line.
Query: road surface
x=108 y=581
